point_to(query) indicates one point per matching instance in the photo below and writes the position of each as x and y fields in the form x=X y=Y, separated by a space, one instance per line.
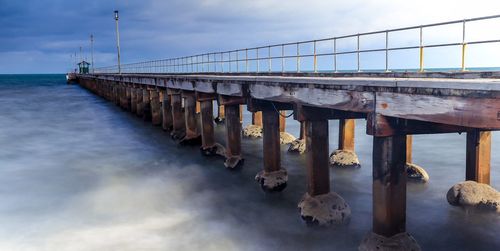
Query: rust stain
x=385 y=105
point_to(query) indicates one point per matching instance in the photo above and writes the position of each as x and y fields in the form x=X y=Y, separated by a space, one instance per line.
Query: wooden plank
x=389 y=185
x=346 y=134
x=318 y=171
x=481 y=113
x=319 y=97
x=230 y=89
x=303 y=113
x=232 y=100
x=478 y=156
x=379 y=125
x=204 y=86
x=255 y=105
x=271 y=141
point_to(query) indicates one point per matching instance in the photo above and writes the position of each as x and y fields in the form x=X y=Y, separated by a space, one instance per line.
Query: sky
x=42 y=36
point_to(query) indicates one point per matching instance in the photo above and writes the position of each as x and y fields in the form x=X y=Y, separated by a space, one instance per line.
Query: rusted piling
x=320 y=206
x=178 y=129
x=156 y=119
x=233 y=135
x=140 y=103
x=389 y=196
x=167 y=122
x=273 y=177
x=192 y=134
x=146 y=104
x=133 y=100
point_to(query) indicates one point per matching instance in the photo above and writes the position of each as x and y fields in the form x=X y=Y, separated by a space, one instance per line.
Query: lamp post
x=92 y=51
x=118 y=42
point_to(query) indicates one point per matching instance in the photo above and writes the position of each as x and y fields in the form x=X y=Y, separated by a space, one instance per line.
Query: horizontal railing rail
x=250 y=60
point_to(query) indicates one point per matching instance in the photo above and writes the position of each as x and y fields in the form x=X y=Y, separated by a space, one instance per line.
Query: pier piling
x=273 y=178
x=389 y=196
x=233 y=136
x=478 y=156
x=156 y=118
x=146 y=104
x=320 y=206
x=167 y=122
x=178 y=130
x=192 y=135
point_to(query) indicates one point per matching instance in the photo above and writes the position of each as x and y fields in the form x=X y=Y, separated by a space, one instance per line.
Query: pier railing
x=290 y=57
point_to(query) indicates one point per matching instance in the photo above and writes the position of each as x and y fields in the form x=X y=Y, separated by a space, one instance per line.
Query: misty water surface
x=79 y=173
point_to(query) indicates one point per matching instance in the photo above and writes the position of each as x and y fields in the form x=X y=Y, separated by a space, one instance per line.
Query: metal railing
x=249 y=60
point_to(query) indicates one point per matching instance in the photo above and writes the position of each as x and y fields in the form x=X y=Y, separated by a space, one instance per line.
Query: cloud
x=152 y=29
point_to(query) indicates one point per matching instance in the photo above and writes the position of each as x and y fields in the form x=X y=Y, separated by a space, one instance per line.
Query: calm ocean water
x=79 y=173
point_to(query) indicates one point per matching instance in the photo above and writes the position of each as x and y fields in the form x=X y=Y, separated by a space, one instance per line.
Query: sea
x=78 y=173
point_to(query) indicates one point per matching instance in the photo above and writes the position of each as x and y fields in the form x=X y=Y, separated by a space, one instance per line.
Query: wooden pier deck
x=395 y=105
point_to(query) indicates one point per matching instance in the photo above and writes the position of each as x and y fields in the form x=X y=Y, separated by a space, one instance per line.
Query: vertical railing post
x=215 y=62
x=357 y=52
x=269 y=58
x=246 y=60
x=315 y=59
x=421 y=68
x=335 y=54
x=282 y=58
x=464 y=45
x=298 y=57
x=237 y=61
x=222 y=61
x=258 y=61
x=386 y=51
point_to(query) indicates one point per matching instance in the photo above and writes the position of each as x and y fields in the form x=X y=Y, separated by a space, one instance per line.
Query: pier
x=179 y=95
